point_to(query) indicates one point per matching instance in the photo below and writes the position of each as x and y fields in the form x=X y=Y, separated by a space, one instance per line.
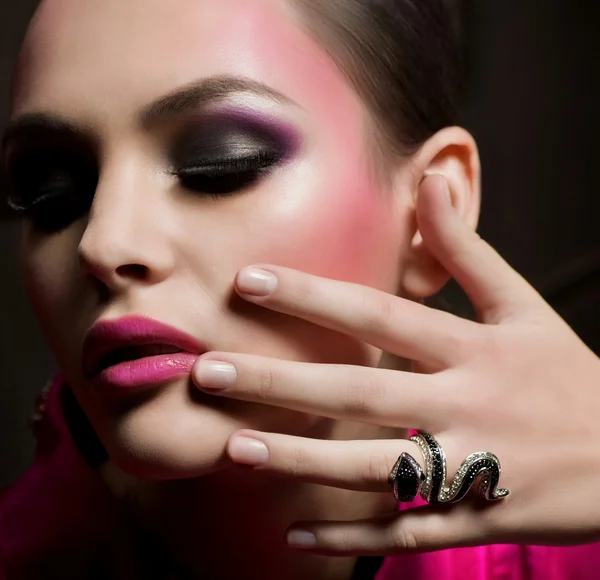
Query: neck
x=232 y=524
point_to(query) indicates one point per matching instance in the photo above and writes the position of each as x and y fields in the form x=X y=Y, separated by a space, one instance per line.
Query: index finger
x=393 y=324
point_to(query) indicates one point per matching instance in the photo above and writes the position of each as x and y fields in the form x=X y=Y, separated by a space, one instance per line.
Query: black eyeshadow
x=220 y=140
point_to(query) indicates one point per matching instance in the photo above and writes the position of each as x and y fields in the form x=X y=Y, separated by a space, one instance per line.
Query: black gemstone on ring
x=408 y=478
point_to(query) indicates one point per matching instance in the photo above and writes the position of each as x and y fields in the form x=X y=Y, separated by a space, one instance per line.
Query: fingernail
x=445 y=186
x=301 y=539
x=447 y=193
x=256 y=282
x=214 y=375
x=248 y=451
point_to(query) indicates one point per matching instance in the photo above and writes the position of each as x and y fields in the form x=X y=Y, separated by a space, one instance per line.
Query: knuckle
x=378 y=469
x=303 y=290
x=476 y=341
x=348 y=544
x=458 y=394
x=298 y=462
x=453 y=391
x=343 y=541
x=265 y=383
x=402 y=539
x=466 y=343
x=363 y=397
x=490 y=346
x=379 y=313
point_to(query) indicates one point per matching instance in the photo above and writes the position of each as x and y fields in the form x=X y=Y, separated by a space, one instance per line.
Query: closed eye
x=227 y=176
x=52 y=187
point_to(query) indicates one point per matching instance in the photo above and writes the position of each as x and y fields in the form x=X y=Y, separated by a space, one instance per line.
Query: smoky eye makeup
x=52 y=175
x=51 y=181
x=229 y=151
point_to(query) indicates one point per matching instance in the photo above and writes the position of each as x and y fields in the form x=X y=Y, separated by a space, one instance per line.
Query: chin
x=178 y=432
x=164 y=463
x=174 y=435
x=159 y=443
x=158 y=455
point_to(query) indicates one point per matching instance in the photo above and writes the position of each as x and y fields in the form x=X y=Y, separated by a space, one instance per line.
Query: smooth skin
x=518 y=382
x=151 y=246
x=353 y=250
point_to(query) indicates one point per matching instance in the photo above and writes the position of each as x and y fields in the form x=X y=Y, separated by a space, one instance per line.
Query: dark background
x=531 y=102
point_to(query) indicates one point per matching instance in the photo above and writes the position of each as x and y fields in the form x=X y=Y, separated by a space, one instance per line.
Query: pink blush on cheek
x=347 y=236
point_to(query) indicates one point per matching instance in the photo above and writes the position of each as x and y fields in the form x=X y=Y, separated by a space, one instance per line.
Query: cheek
x=342 y=234
x=49 y=273
x=345 y=236
x=340 y=237
x=41 y=277
x=335 y=224
x=341 y=226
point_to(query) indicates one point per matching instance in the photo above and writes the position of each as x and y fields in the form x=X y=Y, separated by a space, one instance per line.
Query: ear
x=452 y=152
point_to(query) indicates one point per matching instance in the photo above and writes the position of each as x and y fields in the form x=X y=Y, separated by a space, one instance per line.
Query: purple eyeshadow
x=286 y=138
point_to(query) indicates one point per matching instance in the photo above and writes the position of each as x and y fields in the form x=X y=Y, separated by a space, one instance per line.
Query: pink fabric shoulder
x=498 y=562
x=58 y=520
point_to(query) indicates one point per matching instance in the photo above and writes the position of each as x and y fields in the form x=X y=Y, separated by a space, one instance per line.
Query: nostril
x=136 y=271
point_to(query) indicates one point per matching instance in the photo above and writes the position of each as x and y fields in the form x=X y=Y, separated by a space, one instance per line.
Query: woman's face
x=143 y=228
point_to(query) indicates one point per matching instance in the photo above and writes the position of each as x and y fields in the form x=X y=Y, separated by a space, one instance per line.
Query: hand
x=518 y=383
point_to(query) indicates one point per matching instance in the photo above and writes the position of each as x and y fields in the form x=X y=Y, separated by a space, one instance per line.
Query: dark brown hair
x=402 y=57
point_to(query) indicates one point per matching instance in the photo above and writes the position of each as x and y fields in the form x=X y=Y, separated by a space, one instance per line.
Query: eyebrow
x=42 y=124
x=205 y=92
x=180 y=102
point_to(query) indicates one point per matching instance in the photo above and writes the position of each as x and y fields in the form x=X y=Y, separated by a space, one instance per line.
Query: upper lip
x=108 y=336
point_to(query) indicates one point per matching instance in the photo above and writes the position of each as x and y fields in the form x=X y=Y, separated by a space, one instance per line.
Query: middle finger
x=370 y=395
x=390 y=323
x=353 y=465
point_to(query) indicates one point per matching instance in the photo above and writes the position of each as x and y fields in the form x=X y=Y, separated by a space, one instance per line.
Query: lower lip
x=147 y=372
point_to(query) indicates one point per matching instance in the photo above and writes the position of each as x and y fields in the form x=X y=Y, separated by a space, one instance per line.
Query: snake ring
x=407 y=479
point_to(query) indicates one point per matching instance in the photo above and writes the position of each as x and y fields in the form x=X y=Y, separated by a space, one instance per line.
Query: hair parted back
x=403 y=58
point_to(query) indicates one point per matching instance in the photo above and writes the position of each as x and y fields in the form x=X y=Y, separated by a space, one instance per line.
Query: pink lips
x=136 y=352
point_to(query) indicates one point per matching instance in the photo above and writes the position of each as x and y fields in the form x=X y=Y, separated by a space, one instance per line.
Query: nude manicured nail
x=248 y=451
x=256 y=282
x=301 y=539
x=214 y=375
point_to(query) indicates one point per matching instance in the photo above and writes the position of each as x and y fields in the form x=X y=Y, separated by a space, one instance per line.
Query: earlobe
x=452 y=153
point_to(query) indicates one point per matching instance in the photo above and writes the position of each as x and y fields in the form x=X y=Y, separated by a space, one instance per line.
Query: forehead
x=108 y=57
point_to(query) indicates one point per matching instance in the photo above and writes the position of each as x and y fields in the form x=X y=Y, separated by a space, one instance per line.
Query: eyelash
x=59 y=187
x=52 y=212
x=229 y=176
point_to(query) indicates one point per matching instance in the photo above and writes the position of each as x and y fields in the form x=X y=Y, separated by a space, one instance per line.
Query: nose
x=126 y=239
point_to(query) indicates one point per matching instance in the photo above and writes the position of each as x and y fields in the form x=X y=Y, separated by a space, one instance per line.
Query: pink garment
x=59 y=521
x=498 y=562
